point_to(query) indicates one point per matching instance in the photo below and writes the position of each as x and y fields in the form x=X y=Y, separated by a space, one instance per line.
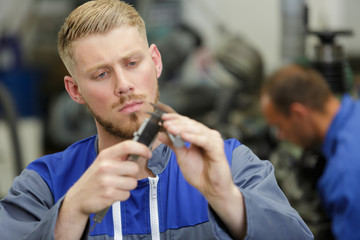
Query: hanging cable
x=9 y=112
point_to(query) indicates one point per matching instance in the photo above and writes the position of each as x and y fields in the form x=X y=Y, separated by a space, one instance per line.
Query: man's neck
x=107 y=140
x=324 y=119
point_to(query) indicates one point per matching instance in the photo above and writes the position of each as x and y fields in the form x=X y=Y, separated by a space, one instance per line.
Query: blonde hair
x=95 y=17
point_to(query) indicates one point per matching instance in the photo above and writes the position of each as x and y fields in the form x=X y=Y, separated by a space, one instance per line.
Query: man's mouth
x=130 y=107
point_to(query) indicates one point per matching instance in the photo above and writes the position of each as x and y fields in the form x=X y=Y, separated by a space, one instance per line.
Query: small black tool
x=146 y=134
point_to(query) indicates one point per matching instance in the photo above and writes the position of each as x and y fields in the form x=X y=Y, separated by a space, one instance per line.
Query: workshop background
x=216 y=55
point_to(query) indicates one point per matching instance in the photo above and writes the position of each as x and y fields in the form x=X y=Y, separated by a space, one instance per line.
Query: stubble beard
x=117 y=129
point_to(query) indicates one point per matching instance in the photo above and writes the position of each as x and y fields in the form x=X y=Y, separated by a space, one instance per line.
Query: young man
x=209 y=189
x=298 y=101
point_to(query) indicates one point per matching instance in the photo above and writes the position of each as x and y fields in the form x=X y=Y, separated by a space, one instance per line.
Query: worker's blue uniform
x=163 y=207
x=339 y=186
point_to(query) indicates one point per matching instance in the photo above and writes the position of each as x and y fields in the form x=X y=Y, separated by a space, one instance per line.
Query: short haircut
x=95 y=17
x=295 y=83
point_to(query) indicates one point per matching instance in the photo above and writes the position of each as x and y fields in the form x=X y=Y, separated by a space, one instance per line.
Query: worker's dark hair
x=295 y=83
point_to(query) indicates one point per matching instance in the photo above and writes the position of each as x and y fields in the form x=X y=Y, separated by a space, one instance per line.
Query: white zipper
x=154 y=212
x=116 y=210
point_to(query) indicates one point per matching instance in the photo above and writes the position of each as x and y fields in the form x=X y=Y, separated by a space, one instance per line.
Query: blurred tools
x=329 y=59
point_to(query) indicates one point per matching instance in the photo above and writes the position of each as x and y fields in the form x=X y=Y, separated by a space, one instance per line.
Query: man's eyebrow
x=91 y=69
x=132 y=54
x=126 y=56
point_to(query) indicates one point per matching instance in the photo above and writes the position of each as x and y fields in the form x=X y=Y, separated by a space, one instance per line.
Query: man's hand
x=204 y=165
x=109 y=179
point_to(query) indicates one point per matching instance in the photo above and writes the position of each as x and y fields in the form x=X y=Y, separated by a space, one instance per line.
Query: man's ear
x=73 y=89
x=156 y=57
x=299 y=111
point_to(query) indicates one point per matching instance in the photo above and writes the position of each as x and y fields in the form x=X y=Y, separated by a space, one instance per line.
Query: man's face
x=293 y=127
x=116 y=77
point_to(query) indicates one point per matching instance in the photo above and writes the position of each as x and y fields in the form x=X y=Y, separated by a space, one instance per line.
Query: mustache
x=130 y=97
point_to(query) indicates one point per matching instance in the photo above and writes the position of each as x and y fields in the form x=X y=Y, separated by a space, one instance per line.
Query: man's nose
x=123 y=84
x=281 y=134
x=275 y=132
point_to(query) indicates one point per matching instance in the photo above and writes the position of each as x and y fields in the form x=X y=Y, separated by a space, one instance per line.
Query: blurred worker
x=208 y=189
x=299 y=103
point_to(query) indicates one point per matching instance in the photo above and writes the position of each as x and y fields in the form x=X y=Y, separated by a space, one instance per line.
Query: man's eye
x=101 y=75
x=132 y=64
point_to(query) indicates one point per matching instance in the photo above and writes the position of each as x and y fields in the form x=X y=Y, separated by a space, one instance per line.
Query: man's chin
x=124 y=128
x=127 y=129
